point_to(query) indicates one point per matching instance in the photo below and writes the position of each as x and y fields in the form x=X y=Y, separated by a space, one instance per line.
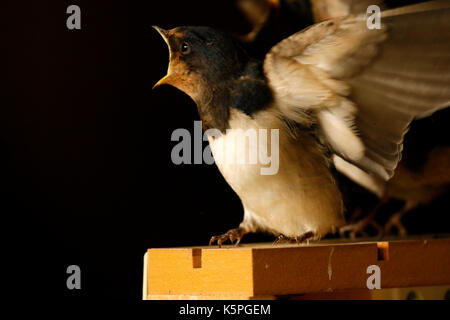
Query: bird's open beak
x=162 y=81
x=177 y=70
x=165 y=35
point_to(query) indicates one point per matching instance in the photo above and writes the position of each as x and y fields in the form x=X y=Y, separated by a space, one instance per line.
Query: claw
x=234 y=235
x=396 y=219
x=395 y=222
x=298 y=239
x=359 y=227
x=280 y=238
x=304 y=237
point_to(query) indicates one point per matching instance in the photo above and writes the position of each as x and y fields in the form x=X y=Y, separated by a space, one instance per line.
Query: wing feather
x=364 y=87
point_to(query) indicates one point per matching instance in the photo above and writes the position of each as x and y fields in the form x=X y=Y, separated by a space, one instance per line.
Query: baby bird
x=338 y=94
x=422 y=176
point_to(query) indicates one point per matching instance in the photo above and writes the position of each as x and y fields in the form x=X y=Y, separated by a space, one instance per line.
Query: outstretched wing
x=364 y=86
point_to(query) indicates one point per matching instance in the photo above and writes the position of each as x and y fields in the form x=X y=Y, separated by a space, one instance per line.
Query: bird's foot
x=360 y=227
x=232 y=235
x=396 y=222
x=298 y=240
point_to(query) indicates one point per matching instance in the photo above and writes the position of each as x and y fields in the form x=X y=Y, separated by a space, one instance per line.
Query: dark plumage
x=216 y=54
x=250 y=92
x=227 y=76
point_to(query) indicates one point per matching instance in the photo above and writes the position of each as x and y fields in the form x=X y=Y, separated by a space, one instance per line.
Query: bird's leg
x=356 y=214
x=361 y=225
x=232 y=235
x=282 y=238
x=395 y=220
x=298 y=239
x=305 y=237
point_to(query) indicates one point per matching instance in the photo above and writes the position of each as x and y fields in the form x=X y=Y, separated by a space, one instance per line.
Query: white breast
x=301 y=197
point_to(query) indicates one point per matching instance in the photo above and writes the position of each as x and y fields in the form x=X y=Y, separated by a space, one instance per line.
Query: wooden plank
x=224 y=271
x=266 y=271
x=145 y=277
x=410 y=293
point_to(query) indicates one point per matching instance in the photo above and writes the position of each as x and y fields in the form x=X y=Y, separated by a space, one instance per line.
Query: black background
x=85 y=170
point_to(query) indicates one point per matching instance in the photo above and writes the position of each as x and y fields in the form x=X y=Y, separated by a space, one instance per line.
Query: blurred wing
x=327 y=9
x=364 y=86
x=257 y=13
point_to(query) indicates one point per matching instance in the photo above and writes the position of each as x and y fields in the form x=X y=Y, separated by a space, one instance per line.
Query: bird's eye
x=185 y=48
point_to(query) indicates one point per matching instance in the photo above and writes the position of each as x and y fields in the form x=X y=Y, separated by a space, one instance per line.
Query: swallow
x=422 y=176
x=418 y=187
x=342 y=96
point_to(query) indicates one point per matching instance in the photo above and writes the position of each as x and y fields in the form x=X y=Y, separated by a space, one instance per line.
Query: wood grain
x=264 y=271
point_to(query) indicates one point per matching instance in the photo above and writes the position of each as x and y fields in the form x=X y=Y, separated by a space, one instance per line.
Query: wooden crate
x=322 y=270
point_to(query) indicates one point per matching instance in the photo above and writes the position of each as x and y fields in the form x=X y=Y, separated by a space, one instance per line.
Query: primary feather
x=365 y=86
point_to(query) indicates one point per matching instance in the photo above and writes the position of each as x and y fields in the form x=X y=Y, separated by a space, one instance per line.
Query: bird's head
x=201 y=60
